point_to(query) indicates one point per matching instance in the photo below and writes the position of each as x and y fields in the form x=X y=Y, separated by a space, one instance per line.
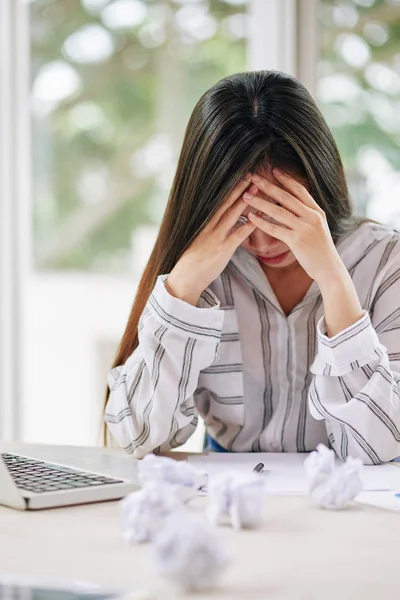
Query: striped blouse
x=261 y=380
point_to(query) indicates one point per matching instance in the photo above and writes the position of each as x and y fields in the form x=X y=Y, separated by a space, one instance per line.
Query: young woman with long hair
x=267 y=307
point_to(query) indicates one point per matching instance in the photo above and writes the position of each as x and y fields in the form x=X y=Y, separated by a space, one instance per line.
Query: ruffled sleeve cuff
x=202 y=321
x=348 y=350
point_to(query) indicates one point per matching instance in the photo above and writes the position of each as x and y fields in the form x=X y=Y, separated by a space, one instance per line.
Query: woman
x=266 y=306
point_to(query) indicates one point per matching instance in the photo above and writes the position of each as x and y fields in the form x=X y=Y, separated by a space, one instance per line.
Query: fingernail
x=247 y=196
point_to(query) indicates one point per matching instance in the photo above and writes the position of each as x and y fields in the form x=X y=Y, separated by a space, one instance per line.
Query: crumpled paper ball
x=186 y=479
x=329 y=486
x=238 y=497
x=319 y=463
x=188 y=552
x=144 y=511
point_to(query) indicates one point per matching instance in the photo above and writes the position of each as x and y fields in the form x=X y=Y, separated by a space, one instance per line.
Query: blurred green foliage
x=107 y=130
x=139 y=91
x=360 y=40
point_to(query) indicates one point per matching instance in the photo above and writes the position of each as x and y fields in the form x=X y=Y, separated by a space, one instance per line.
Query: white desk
x=301 y=553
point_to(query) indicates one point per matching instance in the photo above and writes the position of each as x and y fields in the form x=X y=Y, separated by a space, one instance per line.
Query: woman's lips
x=274 y=260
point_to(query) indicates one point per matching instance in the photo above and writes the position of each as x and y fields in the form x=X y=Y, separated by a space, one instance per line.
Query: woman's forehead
x=267 y=174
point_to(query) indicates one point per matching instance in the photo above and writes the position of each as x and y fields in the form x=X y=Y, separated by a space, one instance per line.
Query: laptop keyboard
x=39 y=476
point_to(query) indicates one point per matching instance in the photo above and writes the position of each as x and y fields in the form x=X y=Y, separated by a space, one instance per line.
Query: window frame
x=15 y=203
x=284 y=35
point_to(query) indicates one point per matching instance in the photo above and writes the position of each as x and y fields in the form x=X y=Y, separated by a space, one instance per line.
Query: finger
x=278 y=213
x=240 y=234
x=272 y=229
x=280 y=195
x=296 y=188
x=232 y=214
x=229 y=219
x=231 y=199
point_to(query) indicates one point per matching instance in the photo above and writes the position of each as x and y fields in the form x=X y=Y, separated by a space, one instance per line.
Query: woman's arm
x=342 y=305
x=151 y=396
x=357 y=372
x=151 y=403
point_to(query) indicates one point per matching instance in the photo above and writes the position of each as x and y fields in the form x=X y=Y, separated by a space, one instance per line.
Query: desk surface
x=302 y=553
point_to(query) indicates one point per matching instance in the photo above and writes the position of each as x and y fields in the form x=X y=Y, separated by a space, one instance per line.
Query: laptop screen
x=26 y=592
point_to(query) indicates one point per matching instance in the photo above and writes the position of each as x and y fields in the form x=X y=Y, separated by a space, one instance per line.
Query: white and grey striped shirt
x=264 y=381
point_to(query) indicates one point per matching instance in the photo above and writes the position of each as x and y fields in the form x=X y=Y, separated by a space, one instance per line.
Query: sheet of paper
x=285 y=470
x=385 y=500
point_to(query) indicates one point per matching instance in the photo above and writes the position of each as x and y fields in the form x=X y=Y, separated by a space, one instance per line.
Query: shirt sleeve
x=151 y=405
x=355 y=387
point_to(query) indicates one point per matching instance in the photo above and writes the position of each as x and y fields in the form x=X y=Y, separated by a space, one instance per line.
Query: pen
x=258 y=468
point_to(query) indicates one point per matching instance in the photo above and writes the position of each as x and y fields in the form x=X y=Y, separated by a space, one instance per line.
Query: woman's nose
x=260 y=239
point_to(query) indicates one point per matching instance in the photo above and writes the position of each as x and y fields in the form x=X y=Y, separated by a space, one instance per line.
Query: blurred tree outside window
x=113 y=85
x=359 y=93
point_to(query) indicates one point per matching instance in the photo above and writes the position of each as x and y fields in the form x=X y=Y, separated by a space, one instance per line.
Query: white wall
x=66 y=317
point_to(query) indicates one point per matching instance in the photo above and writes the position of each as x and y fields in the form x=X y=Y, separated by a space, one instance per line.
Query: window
x=113 y=83
x=359 y=93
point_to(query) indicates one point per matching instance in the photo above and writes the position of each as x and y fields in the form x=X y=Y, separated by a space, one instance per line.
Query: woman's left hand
x=306 y=230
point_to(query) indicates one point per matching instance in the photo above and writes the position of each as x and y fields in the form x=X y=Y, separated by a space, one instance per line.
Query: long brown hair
x=245 y=122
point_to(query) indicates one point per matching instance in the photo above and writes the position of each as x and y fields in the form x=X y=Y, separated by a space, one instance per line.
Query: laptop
x=22 y=588
x=28 y=483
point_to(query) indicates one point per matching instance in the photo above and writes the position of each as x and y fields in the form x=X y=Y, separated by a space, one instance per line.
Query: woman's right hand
x=210 y=252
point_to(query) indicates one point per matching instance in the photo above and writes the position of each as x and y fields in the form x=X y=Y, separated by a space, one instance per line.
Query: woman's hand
x=305 y=230
x=210 y=252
